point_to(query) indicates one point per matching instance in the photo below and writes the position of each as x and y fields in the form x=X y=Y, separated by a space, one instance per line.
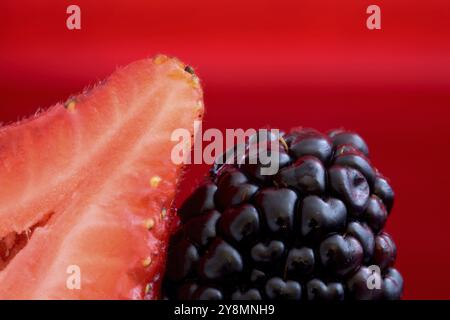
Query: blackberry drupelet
x=313 y=231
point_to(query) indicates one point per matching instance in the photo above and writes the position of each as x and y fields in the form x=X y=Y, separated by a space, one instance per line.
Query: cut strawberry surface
x=87 y=187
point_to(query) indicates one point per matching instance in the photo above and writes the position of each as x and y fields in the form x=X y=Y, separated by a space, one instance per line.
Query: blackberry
x=312 y=231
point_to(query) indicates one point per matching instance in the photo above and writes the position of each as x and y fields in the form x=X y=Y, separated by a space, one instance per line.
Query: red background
x=279 y=63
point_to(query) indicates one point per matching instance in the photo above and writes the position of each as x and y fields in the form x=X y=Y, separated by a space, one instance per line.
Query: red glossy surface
x=279 y=63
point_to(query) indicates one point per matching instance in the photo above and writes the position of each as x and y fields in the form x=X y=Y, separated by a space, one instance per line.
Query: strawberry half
x=87 y=187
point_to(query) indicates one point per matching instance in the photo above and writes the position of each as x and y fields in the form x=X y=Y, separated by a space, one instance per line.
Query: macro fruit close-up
x=311 y=231
x=129 y=132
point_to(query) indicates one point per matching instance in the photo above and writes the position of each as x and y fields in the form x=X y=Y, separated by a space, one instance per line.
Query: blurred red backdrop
x=280 y=63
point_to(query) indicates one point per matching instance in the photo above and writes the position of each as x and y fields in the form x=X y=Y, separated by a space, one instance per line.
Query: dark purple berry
x=364 y=235
x=201 y=229
x=340 y=137
x=307 y=175
x=318 y=290
x=278 y=289
x=392 y=285
x=319 y=217
x=309 y=142
x=251 y=294
x=237 y=195
x=292 y=135
x=198 y=202
x=376 y=214
x=350 y=185
x=256 y=164
x=385 y=251
x=358 y=162
x=341 y=255
x=278 y=209
x=384 y=191
x=182 y=258
x=311 y=231
x=300 y=262
x=220 y=261
x=205 y=293
x=231 y=178
x=345 y=149
x=267 y=252
x=239 y=223
x=257 y=276
x=187 y=290
x=234 y=189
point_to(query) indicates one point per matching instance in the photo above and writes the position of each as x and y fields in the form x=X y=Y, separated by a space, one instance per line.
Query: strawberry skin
x=90 y=183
